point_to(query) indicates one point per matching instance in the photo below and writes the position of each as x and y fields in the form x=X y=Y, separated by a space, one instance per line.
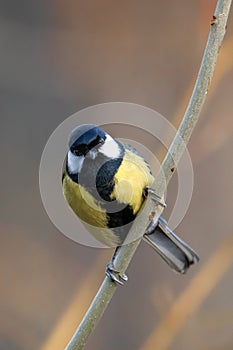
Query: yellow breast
x=131 y=178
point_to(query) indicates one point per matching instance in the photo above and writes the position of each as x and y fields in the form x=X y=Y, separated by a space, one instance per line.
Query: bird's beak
x=92 y=154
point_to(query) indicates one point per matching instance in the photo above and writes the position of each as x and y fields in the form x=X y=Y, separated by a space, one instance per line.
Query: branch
x=175 y=152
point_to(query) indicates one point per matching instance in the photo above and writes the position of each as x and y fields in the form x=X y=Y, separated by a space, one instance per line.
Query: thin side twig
x=175 y=152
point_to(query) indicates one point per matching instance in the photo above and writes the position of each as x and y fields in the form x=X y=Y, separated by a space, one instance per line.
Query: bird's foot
x=158 y=200
x=155 y=219
x=115 y=275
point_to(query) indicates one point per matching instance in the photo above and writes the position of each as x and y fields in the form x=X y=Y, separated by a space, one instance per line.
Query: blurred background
x=58 y=57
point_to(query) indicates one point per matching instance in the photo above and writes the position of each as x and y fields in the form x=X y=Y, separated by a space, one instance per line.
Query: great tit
x=106 y=182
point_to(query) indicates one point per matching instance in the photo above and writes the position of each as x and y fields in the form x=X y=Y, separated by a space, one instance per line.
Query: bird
x=106 y=182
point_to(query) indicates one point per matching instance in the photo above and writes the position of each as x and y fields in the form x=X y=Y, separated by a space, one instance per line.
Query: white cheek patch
x=110 y=148
x=75 y=163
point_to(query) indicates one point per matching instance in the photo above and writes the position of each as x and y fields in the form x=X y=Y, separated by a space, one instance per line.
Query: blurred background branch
x=192 y=297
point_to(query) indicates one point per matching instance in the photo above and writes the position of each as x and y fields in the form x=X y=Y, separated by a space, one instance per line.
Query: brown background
x=58 y=57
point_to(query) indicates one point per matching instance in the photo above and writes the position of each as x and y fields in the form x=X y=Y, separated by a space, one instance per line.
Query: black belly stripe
x=121 y=221
x=121 y=217
x=105 y=178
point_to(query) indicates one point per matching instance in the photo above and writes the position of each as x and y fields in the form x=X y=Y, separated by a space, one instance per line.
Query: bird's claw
x=155 y=197
x=115 y=275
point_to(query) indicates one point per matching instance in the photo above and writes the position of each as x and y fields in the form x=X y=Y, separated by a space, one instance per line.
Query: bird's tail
x=177 y=254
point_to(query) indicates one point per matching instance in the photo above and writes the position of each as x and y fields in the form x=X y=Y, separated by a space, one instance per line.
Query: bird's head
x=89 y=141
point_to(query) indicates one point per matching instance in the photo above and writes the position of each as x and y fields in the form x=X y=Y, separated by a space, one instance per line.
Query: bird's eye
x=80 y=150
x=101 y=140
x=77 y=152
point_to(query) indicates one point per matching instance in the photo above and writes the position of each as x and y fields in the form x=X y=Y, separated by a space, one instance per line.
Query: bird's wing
x=130 y=148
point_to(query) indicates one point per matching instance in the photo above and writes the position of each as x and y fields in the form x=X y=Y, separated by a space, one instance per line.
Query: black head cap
x=85 y=137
